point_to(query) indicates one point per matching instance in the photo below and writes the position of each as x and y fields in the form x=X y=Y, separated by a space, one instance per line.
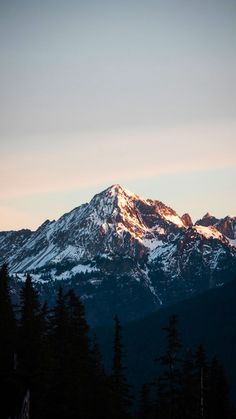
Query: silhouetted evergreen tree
x=120 y=388
x=79 y=359
x=171 y=378
x=145 y=408
x=7 y=343
x=188 y=384
x=189 y=388
x=97 y=358
x=30 y=347
x=202 y=382
x=78 y=388
x=30 y=328
x=57 y=396
x=7 y=325
x=100 y=386
x=218 y=397
x=45 y=366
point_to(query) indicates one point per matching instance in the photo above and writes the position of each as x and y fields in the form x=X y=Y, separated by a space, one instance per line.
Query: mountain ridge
x=120 y=247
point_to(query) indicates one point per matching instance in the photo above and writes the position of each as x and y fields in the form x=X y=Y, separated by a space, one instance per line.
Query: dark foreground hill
x=209 y=319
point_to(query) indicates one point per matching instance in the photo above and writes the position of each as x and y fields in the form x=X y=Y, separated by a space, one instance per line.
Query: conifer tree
x=31 y=345
x=120 y=388
x=79 y=359
x=145 y=405
x=171 y=376
x=97 y=358
x=45 y=366
x=74 y=390
x=7 y=343
x=100 y=390
x=188 y=381
x=202 y=382
x=57 y=396
x=7 y=325
x=30 y=328
x=218 y=398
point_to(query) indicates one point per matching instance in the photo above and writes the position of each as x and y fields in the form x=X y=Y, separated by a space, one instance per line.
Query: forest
x=51 y=367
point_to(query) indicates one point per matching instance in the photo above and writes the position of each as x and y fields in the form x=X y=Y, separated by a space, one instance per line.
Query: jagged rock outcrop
x=226 y=225
x=187 y=220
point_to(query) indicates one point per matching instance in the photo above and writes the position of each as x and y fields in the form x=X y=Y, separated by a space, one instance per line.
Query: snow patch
x=78 y=269
x=232 y=242
x=175 y=219
x=208 y=232
x=152 y=243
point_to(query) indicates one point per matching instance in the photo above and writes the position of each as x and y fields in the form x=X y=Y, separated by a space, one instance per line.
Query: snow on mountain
x=208 y=232
x=114 y=222
x=12 y=241
x=226 y=225
x=175 y=219
x=121 y=250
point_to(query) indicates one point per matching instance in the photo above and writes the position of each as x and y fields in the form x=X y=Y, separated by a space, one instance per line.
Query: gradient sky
x=131 y=92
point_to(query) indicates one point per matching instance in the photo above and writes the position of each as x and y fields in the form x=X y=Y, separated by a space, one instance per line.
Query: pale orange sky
x=136 y=93
x=86 y=163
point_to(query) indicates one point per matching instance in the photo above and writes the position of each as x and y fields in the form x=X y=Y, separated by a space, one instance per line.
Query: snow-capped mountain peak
x=141 y=245
x=118 y=190
x=115 y=221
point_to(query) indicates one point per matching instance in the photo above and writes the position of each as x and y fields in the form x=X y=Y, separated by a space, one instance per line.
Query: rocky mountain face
x=187 y=220
x=12 y=241
x=123 y=254
x=227 y=225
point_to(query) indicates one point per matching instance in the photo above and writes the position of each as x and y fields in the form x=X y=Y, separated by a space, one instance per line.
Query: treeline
x=46 y=357
x=189 y=386
x=51 y=368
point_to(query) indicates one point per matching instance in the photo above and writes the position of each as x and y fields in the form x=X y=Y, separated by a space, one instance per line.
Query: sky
x=100 y=92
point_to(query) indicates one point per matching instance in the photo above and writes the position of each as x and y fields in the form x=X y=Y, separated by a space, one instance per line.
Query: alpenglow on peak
x=117 y=189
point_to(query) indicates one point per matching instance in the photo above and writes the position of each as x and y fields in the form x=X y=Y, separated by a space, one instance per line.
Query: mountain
x=123 y=254
x=207 y=220
x=226 y=226
x=115 y=222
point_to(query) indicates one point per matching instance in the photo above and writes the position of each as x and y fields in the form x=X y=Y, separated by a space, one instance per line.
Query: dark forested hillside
x=209 y=318
x=51 y=365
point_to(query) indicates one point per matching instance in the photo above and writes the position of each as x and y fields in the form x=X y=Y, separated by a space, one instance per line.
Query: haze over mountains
x=124 y=254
